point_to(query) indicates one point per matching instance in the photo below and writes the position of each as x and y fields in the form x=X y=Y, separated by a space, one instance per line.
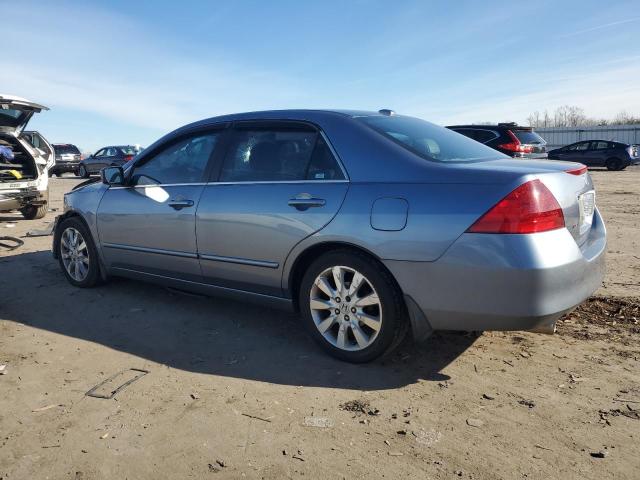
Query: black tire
x=82 y=172
x=614 y=164
x=34 y=212
x=93 y=277
x=394 y=318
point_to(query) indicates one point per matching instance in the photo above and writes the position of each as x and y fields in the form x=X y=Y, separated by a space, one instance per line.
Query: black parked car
x=508 y=138
x=114 y=156
x=599 y=153
x=67 y=159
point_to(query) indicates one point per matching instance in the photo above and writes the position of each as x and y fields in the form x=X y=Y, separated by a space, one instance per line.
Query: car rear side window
x=430 y=141
x=279 y=154
x=528 y=137
x=602 y=145
x=183 y=161
x=484 y=136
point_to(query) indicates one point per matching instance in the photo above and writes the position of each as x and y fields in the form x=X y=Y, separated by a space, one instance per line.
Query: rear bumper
x=505 y=282
x=64 y=167
x=19 y=198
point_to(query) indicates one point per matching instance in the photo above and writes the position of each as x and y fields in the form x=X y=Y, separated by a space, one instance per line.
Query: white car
x=24 y=179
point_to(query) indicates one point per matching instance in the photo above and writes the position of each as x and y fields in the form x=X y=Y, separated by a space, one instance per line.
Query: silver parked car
x=370 y=224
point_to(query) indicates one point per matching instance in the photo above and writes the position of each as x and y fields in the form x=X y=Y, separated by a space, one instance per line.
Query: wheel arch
x=310 y=253
x=57 y=232
x=56 y=239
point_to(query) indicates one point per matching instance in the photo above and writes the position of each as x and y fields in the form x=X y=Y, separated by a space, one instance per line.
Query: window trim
x=221 y=129
x=235 y=126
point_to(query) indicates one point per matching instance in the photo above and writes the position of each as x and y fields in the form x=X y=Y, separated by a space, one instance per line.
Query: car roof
x=290 y=114
x=505 y=126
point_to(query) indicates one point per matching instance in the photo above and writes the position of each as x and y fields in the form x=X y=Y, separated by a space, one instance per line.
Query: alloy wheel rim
x=75 y=254
x=345 y=308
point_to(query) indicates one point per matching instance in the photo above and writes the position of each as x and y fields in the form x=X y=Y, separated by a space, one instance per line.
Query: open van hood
x=15 y=113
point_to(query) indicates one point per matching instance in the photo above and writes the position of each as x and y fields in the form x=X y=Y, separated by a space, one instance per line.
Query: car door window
x=579 y=147
x=279 y=155
x=183 y=161
x=602 y=145
x=111 y=152
x=100 y=153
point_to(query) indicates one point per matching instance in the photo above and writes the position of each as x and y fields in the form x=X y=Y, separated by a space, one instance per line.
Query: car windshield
x=528 y=137
x=430 y=141
x=62 y=149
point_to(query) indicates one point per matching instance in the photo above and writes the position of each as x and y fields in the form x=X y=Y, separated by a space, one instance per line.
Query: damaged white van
x=24 y=166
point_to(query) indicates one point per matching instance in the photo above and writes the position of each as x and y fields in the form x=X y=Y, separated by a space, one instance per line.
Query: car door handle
x=305 y=202
x=180 y=203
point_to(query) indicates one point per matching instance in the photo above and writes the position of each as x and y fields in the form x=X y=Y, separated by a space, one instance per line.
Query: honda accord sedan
x=369 y=224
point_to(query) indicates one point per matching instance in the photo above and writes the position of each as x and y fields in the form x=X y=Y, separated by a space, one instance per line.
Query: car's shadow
x=204 y=335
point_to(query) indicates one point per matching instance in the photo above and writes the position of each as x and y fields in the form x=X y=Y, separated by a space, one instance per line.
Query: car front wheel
x=351 y=306
x=82 y=172
x=77 y=254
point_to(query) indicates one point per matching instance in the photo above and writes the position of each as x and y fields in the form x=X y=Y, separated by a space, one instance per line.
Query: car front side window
x=182 y=161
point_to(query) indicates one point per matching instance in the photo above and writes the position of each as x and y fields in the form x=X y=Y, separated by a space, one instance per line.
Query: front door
x=279 y=183
x=149 y=225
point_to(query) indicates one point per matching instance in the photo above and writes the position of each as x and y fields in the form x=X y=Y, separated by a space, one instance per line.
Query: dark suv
x=599 y=153
x=508 y=138
x=67 y=159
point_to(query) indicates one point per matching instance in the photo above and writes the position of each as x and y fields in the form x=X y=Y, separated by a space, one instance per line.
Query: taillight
x=515 y=145
x=128 y=157
x=530 y=208
x=577 y=171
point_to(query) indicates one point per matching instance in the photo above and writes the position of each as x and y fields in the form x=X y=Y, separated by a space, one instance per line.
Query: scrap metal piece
x=45 y=232
x=94 y=391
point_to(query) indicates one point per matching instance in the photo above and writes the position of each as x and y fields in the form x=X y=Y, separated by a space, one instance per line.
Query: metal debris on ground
x=3 y=370
x=45 y=232
x=105 y=388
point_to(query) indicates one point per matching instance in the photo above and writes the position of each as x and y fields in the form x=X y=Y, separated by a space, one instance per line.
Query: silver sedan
x=369 y=224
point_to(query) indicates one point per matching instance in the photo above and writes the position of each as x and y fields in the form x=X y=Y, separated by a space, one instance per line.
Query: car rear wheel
x=351 y=306
x=82 y=172
x=614 y=164
x=34 y=212
x=77 y=254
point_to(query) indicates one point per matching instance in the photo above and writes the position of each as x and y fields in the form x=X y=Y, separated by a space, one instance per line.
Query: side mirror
x=112 y=175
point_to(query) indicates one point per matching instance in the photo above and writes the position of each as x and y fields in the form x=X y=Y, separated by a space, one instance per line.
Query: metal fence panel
x=560 y=136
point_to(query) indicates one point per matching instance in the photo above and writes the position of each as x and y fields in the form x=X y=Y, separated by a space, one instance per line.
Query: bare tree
x=574 y=116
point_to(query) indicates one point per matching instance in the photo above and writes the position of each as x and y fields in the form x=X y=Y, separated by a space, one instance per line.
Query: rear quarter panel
x=437 y=215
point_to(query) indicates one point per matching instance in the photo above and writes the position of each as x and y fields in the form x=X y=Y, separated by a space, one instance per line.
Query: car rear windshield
x=528 y=137
x=129 y=149
x=430 y=141
x=10 y=117
x=62 y=149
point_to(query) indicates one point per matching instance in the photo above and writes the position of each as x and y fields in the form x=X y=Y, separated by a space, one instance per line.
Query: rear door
x=149 y=225
x=279 y=182
x=598 y=153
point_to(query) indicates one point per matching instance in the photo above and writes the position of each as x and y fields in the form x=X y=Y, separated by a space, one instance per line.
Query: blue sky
x=128 y=72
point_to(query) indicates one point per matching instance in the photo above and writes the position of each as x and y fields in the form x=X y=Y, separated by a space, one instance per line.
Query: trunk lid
x=15 y=113
x=574 y=192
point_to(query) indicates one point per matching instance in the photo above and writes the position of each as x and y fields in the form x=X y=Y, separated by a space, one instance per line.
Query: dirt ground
x=239 y=391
